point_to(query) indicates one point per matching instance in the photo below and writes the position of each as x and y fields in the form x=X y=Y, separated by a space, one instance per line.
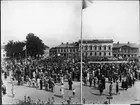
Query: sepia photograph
x=70 y=52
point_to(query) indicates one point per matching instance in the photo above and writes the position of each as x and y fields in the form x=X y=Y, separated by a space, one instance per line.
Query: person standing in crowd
x=38 y=82
x=12 y=89
x=117 y=88
x=53 y=85
x=41 y=84
x=3 y=89
x=70 y=84
x=126 y=84
x=103 y=81
x=110 y=89
x=123 y=84
x=90 y=81
x=62 y=90
x=100 y=88
x=94 y=81
x=5 y=75
x=74 y=92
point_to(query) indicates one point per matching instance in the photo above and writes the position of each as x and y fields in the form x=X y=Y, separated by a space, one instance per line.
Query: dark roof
x=98 y=41
x=118 y=45
x=67 y=45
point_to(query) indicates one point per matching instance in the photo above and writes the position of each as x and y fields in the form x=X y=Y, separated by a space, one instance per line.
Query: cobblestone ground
x=132 y=95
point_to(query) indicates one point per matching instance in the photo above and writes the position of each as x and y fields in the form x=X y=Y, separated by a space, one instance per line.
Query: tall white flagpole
x=81 y=52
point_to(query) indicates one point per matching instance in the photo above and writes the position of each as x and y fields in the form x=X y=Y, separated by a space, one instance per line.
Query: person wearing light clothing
x=62 y=90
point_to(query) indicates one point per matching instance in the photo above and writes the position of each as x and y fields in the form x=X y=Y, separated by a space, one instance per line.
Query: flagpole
x=81 y=51
x=25 y=59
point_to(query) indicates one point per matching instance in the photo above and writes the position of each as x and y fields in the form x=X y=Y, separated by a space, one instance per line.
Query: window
x=86 y=47
x=104 y=53
x=90 y=53
x=95 y=47
x=109 y=53
x=95 y=53
x=109 y=47
x=104 y=47
x=100 y=54
x=90 y=47
x=99 y=47
x=73 y=50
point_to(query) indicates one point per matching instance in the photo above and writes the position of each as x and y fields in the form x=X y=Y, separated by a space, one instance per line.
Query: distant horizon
x=84 y=39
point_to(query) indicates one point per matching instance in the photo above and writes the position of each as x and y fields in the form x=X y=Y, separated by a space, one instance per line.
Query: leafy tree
x=35 y=46
x=14 y=49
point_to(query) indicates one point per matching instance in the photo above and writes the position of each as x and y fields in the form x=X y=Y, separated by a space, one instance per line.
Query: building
x=67 y=50
x=125 y=50
x=97 y=48
x=53 y=52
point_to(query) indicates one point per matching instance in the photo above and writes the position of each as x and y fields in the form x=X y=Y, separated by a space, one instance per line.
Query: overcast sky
x=59 y=20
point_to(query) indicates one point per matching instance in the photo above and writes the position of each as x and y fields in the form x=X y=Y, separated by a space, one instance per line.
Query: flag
x=24 y=48
x=86 y=3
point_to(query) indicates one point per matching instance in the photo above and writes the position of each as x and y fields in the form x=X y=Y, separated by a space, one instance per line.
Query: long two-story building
x=97 y=48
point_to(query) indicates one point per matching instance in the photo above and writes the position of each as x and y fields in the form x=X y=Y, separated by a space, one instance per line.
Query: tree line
x=34 y=47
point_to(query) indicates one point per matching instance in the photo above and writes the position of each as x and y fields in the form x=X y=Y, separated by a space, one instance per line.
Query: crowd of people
x=45 y=73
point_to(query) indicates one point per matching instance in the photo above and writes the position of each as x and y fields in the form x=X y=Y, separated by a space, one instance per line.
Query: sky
x=56 y=21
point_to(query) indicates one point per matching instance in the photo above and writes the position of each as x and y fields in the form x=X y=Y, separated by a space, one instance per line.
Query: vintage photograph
x=70 y=52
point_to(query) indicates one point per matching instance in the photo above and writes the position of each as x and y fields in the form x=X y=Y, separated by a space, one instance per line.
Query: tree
x=14 y=49
x=35 y=46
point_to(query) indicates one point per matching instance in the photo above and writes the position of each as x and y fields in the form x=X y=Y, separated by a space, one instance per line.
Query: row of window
x=131 y=55
x=67 y=50
x=95 y=47
x=126 y=51
x=97 y=54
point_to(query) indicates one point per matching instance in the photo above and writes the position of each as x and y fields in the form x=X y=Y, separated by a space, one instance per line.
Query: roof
x=98 y=41
x=132 y=45
x=67 y=45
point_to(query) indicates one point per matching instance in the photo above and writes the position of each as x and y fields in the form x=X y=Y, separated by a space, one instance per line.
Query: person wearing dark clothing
x=41 y=83
x=101 y=88
x=126 y=85
x=117 y=88
x=70 y=84
x=5 y=75
x=123 y=84
x=133 y=81
x=110 y=89
x=120 y=78
x=73 y=75
x=94 y=81
x=103 y=82
x=90 y=81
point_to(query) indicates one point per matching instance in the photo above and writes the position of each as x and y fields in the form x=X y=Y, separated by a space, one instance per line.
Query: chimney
x=128 y=42
x=118 y=42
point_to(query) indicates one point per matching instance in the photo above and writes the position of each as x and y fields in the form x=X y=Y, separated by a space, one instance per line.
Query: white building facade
x=97 y=48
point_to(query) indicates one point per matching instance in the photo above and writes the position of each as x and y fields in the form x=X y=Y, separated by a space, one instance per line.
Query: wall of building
x=97 y=49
